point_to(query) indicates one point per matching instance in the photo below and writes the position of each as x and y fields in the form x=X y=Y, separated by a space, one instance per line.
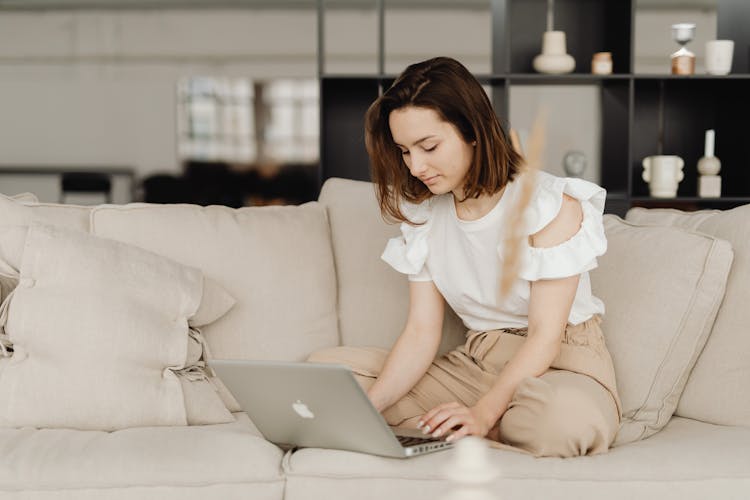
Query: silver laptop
x=318 y=406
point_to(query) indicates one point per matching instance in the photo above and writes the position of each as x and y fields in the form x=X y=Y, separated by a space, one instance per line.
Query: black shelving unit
x=641 y=115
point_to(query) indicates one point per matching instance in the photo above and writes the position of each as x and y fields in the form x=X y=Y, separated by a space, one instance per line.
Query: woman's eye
x=404 y=153
x=431 y=149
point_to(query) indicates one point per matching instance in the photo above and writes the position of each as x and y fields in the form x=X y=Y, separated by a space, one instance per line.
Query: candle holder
x=709 y=182
x=554 y=58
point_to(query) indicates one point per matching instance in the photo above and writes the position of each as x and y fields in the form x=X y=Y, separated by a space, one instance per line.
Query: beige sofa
x=676 y=287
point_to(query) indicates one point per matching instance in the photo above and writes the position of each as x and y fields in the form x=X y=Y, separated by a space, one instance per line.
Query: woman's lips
x=431 y=180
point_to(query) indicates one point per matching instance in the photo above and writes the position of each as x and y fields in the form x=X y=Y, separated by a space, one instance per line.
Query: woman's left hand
x=467 y=421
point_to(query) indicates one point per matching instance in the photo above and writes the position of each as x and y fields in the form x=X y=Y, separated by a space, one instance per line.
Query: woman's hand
x=465 y=420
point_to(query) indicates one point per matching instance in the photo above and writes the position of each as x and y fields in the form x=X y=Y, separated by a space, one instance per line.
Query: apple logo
x=302 y=410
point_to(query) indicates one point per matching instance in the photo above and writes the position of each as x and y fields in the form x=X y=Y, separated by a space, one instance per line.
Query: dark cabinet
x=641 y=115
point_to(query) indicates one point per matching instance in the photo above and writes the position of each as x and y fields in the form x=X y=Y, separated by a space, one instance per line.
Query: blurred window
x=290 y=132
x=239 y=120
x=215 y=119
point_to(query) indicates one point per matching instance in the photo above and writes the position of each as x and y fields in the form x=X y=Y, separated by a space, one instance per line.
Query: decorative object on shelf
x=683 y=61
x=719 y=57
x=574 y=163
x=709 y=182
x=663 y=174
x=601 y=63
x=469 y=471
x=554 y=58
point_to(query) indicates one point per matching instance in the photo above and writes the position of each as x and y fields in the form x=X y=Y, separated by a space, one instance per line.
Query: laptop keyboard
x=413 y=441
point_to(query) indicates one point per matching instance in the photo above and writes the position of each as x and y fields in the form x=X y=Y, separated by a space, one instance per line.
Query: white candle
x=550 y=15
x=709 y=148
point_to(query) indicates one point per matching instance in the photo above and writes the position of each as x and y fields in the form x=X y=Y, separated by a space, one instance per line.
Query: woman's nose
x=418 y=165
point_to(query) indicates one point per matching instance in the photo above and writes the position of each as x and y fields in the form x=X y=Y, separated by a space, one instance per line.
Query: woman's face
x=433 y=149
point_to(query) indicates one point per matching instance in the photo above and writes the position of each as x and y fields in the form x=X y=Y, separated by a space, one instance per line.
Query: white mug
x=719 y=57
x=663 y=174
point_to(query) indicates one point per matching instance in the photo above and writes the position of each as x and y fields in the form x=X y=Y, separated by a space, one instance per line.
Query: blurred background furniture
x=87 y=185
x=96 y=185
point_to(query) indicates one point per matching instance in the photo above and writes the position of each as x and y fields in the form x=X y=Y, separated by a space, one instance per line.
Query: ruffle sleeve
x=408 y=253
x=579 y=253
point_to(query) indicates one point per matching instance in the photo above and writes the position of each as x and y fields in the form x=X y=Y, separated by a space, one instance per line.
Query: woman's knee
x=334 y=355
x=560 y=414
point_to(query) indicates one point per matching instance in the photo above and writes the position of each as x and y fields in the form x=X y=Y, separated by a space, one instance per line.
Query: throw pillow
x=25 y=198
x=100 y=337
x=215 y=301
x=22 y=212
x=662 y=287
x=718 y=390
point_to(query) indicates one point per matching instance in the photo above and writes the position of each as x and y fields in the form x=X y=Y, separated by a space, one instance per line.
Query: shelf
x=568 y=76
x=693 y=199
x=640 y=114
x=617 y=196
x=555 y=79
x=690 y=203
x=736 y=76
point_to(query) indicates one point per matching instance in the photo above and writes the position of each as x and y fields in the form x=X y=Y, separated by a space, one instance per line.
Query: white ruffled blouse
x=464 y=258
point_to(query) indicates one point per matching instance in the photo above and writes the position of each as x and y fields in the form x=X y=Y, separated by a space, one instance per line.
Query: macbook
x=316 y=405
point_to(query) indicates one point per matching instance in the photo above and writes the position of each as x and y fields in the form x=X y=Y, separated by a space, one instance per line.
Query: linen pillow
x=25 y=198
x=22 y=213
x=215 y=301
x=718 y=389
x=276 y=261
x=662 y=287
x=100 y=337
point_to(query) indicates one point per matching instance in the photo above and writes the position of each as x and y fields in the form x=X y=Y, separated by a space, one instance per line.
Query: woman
x=534 y=373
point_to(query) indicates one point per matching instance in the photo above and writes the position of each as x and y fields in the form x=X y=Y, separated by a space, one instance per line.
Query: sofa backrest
x=373 y=298
x=718 y=390
x=275 y=261
x=662 y=287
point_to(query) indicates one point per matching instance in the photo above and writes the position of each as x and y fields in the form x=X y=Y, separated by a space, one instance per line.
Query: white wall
x=93 y=88
x=98 y=88
x=89 y=88
x=410 y=35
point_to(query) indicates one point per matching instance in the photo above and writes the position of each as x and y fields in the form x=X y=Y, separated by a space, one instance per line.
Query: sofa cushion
x=718 y=390
x=275 y=261
x=373 y=297
x=688 y=460
x=101 y=338
x=227 y=461
x=660 y=306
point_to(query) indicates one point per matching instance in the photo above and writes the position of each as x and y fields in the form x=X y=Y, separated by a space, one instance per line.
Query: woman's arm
x=550 y=303
x=415 y=349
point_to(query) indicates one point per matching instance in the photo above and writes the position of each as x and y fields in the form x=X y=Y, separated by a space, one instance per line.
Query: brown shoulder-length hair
x=447 y=87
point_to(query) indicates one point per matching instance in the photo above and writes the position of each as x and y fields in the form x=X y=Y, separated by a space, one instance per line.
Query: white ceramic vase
x=663 y=174
x=554 y=59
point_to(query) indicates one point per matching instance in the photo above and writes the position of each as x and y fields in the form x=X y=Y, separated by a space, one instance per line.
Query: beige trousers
x=572 y=409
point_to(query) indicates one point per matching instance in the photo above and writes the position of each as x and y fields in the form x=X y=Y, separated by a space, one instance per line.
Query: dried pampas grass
x=514 y=230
